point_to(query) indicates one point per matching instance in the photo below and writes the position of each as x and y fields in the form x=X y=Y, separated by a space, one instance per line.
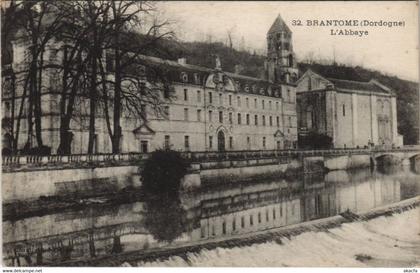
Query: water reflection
x=215 y=212
x=165 y=218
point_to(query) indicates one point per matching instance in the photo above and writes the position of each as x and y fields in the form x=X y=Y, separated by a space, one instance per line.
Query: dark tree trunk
x=117 y=102
x=92 y=96
x=38 y=109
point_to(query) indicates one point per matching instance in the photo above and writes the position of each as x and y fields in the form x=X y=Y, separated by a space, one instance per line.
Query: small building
x=352 y=113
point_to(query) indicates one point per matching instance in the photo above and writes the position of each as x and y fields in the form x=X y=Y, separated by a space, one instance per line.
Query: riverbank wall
x=26 y=179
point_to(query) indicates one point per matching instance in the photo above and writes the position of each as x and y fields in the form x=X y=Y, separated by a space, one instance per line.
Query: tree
x=128 y=88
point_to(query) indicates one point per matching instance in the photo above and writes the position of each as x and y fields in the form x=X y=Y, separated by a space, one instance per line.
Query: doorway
x=221 y=141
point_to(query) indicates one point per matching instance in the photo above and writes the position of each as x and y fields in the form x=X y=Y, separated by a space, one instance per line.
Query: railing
x=70 y=159
x=36 y=160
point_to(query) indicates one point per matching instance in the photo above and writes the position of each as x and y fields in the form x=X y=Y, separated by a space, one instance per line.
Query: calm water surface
x=211 y=213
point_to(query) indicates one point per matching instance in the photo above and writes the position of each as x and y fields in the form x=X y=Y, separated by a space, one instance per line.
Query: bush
x=315 y=141
x=163 y=171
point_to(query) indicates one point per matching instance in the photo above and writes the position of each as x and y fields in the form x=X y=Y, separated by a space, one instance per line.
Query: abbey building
x=207 y=109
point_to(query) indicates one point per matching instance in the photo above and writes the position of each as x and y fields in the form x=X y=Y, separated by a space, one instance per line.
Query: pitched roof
x=371 y=86
x=279 y=25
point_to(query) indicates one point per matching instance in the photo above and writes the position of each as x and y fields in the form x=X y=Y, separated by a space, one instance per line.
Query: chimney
x=182 y=61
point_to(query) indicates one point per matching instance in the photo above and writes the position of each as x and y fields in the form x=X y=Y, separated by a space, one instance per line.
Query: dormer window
x=196 y=78
x=184 y=77
x=254 y=89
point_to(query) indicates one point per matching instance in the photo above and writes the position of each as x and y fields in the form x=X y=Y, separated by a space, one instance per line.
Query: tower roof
x=278 y=26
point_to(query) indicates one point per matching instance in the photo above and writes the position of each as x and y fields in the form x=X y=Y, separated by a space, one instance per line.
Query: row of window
x=238 y=100
x=250 y=220
x=230 y=118
x=167 y=143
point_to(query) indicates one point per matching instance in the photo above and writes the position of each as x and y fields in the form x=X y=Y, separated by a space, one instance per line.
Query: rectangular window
x=220 y=99
x=271 y=121
x=239 y=118
x=166 y=112
x=230 y=142
x=210 y=116
x=247 y=102
x=234 y=224
x=264 y=144
x=278 y=145
x=239 y=101
x=256 y=119
x=198 y=96
x=263 y=104
x=248 y=142
x=230 y=99
x=186 y=114
x=263 y=120
x=290 y=121
x=259 y=217
x=220 y=116
x=269 y=105
x=247 y=119
x=274 y=214
x=230 y=118
x=203 y=231
x=144 y=146
x=281 y=211
x=199 y=115
x=187 y=143
x=277 y=105
x=224 y=227
x=242 y=222
x=251 y=220
x=255 y=104
x=185 y=94
x=266 y=216
x=167 y=142
x=210 y=97
x=344 y=110
x=278 y=121
x=210 y=142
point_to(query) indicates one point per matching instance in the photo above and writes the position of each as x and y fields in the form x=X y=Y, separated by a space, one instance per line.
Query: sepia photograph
x=210 y=134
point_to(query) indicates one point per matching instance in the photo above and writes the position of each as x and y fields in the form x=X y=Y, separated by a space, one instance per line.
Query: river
x=217 y=213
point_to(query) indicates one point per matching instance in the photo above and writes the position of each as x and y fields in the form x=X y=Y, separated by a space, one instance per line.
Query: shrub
x=163 y=171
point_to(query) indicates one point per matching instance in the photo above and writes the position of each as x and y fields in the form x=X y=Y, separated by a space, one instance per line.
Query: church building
x=352 y=113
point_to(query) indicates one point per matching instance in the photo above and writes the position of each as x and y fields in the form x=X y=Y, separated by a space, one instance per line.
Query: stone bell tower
x=280 y=66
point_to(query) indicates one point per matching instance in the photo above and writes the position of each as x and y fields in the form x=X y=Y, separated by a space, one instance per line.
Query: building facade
x=354 y=114
x=208 y=109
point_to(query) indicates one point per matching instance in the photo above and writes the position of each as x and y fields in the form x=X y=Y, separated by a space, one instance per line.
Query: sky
x=390 y=50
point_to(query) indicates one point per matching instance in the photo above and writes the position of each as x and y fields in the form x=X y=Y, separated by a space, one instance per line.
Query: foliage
x=161 y=177
x=315 y=141
x=163 y=171
x=165 y=218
